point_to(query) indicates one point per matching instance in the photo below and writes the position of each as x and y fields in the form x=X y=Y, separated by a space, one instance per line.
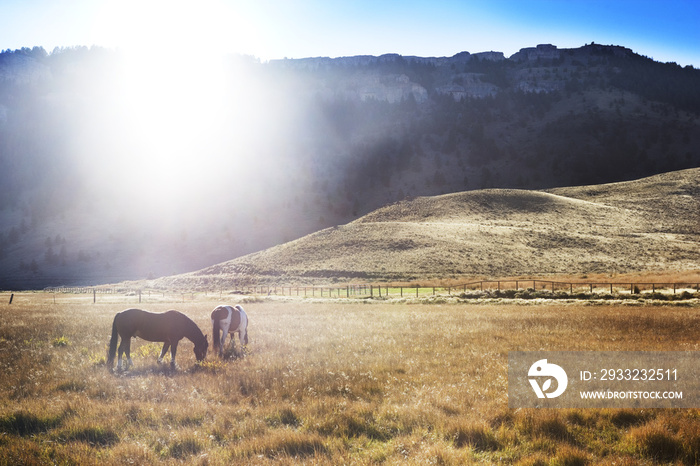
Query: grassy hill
x=651 y=224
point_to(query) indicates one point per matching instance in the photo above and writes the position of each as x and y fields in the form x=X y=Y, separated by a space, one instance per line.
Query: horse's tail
x=113 y=343
x=216 y=330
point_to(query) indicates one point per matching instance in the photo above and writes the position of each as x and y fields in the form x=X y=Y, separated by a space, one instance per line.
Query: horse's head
x=200 y=349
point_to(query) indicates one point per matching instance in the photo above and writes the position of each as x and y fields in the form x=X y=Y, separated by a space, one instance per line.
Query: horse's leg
x=222 y=342
x=166 y=345
x=173 y=351
x=129 y=362
x=224 y=333
x=120 y=352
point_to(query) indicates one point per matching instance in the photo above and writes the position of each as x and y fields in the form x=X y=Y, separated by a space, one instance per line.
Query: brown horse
x=228 y=320
x=169 y=327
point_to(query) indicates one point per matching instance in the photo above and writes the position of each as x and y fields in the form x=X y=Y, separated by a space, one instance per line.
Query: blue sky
x=666 y=30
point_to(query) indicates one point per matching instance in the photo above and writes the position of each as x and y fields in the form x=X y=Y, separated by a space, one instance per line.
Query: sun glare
x=172 y=88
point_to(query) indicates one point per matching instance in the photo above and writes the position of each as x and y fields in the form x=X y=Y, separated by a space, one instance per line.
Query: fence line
x=383 y=290
x=470 y=289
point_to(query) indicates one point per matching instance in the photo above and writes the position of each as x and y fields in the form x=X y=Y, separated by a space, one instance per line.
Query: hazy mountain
x=119 y=170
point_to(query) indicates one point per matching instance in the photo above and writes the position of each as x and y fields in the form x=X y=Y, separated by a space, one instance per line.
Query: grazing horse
x=228 y=319
x=169 y=327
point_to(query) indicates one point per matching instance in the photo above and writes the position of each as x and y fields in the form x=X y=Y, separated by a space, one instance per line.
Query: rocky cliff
x=544 y=68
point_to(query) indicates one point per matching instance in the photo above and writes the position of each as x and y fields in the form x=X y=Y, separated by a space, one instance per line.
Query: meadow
x=331 y=382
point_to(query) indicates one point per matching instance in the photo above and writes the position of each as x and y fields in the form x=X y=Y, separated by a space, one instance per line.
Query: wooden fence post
x=94 y=296
x=13 y=295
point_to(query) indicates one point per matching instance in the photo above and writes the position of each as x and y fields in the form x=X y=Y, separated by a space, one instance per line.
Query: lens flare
x=173 y=101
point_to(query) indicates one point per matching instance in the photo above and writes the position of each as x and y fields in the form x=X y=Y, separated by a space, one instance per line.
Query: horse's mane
x=194 y=328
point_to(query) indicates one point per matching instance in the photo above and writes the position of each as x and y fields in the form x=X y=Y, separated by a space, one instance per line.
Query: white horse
x=228 y=320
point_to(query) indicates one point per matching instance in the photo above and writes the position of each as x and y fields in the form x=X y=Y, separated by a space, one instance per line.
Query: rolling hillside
x=650 y=224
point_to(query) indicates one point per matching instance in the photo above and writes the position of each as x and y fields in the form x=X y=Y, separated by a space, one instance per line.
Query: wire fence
x=387 y=290
x=521 y=288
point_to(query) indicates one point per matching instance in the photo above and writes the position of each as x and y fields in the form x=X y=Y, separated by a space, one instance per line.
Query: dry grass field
x=327 y=383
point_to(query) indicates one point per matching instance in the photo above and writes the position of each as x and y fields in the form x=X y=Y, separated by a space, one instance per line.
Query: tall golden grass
x=328 y=383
